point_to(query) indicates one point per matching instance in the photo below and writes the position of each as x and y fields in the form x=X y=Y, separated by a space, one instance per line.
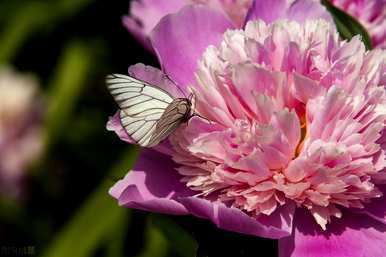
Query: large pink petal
x=267 y=11
x=354 y=235
x=152 y=185
x=301 y=10
x=298 y=10
x=155 y=77
x=233 y=219
x=145 y=14
x=180 y=39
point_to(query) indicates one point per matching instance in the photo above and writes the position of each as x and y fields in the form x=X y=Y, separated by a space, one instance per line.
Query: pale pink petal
x=289 y=125
x=305 y=89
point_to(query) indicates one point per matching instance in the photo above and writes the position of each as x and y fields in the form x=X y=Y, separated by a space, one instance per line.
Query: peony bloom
x=20 y=130
x=371 y=14
x=294 y=148
x=145 y=14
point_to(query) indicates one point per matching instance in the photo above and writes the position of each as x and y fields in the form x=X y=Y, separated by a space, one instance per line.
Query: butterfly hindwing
x=175 y=114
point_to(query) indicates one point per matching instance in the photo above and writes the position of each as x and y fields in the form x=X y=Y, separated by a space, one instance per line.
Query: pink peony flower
x=145 y=14
x=371 y=14
x=20 y=130
x=295 y=146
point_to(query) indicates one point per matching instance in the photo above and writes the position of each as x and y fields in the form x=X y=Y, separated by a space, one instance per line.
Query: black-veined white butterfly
x=148 y=113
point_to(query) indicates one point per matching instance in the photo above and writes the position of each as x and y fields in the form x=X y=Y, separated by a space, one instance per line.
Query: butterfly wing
x=142 y=106
x=176 y=113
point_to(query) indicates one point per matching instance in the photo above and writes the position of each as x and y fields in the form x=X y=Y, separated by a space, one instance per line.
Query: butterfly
x=148 y=113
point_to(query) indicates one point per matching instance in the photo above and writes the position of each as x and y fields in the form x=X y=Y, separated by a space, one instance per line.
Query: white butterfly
x=148 y=113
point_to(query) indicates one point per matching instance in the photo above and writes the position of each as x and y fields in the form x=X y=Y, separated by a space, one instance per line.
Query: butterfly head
x=185 y=108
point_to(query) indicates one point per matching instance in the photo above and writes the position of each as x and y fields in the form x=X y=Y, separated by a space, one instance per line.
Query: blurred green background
x=70 y=46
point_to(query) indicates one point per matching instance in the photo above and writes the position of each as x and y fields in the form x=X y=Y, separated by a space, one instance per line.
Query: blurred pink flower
x=371 y=14
x=20 y=130
x=295 y=146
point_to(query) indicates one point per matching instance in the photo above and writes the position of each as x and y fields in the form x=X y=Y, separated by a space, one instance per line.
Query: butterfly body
x=178 y=112
x=148 y=113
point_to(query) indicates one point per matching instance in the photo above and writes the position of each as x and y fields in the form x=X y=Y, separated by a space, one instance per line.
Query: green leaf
x=116 y=244
x=21 y=25
x=156 y=243
x=95 y=220
x=347 y=26
x=31 y=17
x=67 y=85
x=183 y=243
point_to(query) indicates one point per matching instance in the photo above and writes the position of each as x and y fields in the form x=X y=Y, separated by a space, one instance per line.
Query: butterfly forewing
x=126 y=89
x=148 y=113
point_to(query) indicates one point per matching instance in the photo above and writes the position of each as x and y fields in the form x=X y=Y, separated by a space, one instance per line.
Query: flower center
x=303 y=127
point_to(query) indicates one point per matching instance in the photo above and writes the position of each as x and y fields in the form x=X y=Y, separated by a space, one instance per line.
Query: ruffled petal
x=305 y=89
x=354 y=235
x=180 y=39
